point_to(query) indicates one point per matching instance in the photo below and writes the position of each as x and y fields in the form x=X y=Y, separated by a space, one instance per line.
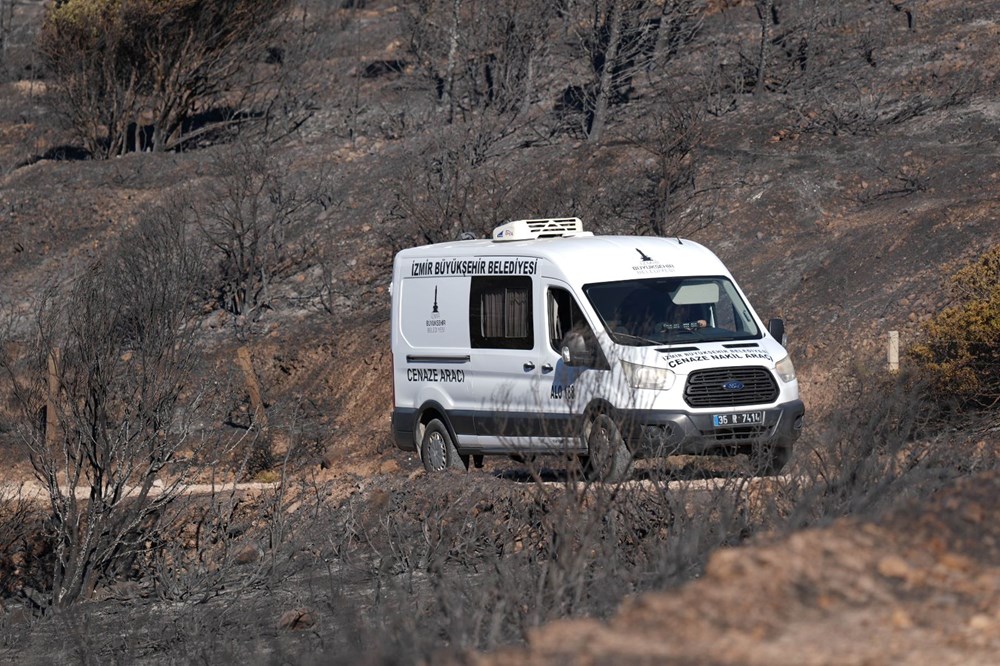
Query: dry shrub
x=960 y=355
x=109 y=363
x=475 y=562
x=112 y=365
x=891 y=442
x=480 y=56
x=222 y=543
x=866 y=453
x=23 y=549
x=136 y=74
x=452 y=184
x=259 y=218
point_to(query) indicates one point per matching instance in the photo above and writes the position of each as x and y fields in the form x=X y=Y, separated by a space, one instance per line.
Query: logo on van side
x=437 y=323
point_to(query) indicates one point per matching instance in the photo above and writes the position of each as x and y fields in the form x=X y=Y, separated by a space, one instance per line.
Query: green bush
x=959 y=357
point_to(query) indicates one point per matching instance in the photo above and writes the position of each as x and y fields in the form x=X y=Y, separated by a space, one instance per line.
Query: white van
x=548 y=339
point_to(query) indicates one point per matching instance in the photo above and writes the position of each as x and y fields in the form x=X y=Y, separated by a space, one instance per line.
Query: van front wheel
x=437 y=450
x=608 y=458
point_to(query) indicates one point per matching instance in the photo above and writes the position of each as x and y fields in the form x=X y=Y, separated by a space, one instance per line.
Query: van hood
x=683 y=359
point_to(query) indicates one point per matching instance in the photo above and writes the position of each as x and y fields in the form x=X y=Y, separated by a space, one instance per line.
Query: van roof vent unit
x=558 y=227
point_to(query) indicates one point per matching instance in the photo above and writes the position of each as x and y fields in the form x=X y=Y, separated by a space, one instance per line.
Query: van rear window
x=500 y=313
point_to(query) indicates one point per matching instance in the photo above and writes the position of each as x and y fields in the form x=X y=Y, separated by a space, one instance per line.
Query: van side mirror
x=578 y=359
x=576 y=352
x=776 y=327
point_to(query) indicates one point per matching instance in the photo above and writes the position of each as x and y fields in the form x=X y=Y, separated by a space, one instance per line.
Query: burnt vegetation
x=139 y=75
x=253 y=167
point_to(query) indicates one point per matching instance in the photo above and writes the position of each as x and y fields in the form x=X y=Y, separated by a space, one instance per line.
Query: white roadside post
x=893 y=351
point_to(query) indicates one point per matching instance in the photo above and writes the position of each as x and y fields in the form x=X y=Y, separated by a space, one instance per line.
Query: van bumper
x=661 y=433
x=403 y=424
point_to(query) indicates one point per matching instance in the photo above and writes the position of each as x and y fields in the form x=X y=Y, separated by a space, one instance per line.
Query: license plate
x=741 y=418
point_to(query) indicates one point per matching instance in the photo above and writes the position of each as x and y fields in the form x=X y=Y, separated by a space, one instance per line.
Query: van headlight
x=648 y=377
x=785 y=369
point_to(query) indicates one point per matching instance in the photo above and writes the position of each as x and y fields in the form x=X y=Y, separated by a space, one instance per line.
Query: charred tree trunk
x=449 y=77
x=765 y=10
x=605 y=87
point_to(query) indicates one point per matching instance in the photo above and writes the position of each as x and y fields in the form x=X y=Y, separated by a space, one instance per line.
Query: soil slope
x=919 y=586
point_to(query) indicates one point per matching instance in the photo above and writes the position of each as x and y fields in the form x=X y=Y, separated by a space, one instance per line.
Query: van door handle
x=529 y=366
x=546 y=368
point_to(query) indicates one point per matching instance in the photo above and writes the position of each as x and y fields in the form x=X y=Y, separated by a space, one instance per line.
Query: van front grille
x=730 y=387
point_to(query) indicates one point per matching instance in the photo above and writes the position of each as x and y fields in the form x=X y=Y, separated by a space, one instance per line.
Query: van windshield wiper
x=678 y=333
x=709 y=334
x=622 y=337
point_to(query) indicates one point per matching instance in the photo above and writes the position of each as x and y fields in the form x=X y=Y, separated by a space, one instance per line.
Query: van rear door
x=433 y=347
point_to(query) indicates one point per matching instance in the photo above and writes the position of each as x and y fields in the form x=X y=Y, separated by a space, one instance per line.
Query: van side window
x=500 y=315
x=568 y=328
x=564 y=314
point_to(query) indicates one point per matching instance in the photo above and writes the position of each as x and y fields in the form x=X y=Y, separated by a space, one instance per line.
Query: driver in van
x=688 y=316
x=638 y=317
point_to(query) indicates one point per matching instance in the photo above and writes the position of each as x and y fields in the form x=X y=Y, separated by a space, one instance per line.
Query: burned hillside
x=222 y=251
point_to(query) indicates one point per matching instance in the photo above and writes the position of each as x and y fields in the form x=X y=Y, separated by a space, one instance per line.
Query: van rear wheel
x=437 y=450
x=608 y=458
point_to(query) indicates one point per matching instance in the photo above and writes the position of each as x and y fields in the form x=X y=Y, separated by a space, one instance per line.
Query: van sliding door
x=502 y=331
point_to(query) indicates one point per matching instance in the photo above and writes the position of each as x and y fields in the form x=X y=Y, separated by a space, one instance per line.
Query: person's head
x=682 y=313
x=688 y=314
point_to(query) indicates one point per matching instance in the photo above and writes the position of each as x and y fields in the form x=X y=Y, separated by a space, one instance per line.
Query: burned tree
x=620 y=39
x=143 y=75
x=6 y=27
x=258 y=220
x=481 y=55
x=113 y=367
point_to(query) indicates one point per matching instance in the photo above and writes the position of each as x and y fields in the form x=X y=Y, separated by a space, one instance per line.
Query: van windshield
x=672 y=310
